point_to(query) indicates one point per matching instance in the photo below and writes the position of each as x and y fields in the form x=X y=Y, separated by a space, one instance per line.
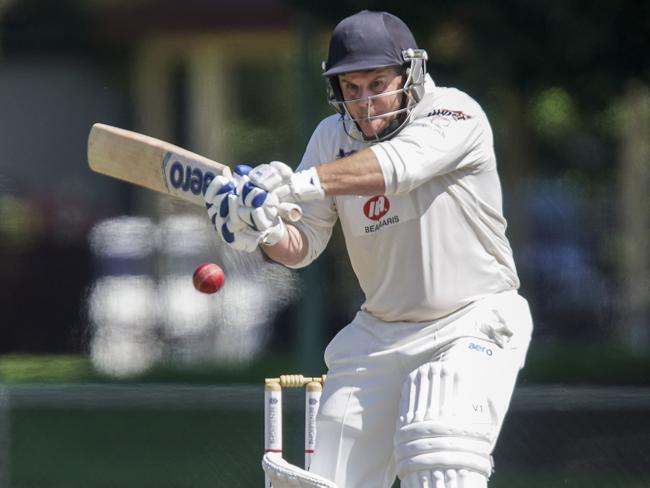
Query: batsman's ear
x=334 y=94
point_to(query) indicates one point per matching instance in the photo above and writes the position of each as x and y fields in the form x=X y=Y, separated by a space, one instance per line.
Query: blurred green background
x=95 y=274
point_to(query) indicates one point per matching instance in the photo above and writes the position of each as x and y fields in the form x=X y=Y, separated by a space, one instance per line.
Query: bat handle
x=290 y=211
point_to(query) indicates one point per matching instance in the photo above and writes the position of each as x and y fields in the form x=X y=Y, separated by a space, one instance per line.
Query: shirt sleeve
x=319 y=216
x=429 y=147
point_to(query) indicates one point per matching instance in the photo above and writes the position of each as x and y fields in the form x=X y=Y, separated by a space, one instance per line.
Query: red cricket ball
x=208 y=278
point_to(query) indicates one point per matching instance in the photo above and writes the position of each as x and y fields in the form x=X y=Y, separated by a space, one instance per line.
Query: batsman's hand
x=254 y=196
x=279 y=180
x=240 y=227
x=262 y=211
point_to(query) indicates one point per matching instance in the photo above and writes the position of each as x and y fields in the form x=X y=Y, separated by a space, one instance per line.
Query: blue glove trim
x=259 y=200
x=242 y=169
x=223 y=208
x=228 y=236
x=227 y=188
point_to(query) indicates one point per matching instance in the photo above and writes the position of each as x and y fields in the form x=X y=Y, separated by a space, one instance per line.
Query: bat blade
x=158 y=165
x=151 y=163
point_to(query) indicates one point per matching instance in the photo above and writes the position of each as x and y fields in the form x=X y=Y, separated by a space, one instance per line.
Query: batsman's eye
x=377 y=85
x=350 y=89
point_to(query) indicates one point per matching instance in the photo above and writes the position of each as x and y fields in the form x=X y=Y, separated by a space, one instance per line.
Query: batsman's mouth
x=372 y=127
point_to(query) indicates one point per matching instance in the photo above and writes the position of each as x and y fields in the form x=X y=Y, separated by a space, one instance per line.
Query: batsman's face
x=371 y=97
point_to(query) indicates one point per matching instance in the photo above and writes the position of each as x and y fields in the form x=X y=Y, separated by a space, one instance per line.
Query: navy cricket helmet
x=371 y=40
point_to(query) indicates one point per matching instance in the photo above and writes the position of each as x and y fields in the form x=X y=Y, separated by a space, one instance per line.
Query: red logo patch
x=376 y=207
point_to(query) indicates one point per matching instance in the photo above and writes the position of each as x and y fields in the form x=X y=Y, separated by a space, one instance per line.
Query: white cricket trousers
x=369 y=361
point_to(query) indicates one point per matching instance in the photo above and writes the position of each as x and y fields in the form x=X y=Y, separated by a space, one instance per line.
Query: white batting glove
x=217 y=201
x=240 y=227
x=259 y=209
x=279 y=179
x=256 y=197
x=221 y=203
x=263 y=206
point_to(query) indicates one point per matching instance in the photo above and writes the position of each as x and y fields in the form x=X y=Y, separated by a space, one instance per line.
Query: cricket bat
x=158 y=165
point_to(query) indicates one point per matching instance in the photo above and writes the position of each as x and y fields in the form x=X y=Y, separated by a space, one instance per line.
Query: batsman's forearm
x=289 y=250
x=357 y=174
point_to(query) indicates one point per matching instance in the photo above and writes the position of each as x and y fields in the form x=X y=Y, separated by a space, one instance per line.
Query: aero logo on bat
x=185 y=177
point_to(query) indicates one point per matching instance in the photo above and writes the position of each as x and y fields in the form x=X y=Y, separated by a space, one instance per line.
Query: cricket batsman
x=419 y=383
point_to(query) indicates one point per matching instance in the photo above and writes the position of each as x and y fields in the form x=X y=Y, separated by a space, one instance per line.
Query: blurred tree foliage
x=560 y=65
x=46 y=26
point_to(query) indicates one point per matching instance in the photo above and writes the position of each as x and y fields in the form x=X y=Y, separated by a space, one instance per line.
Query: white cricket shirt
x=435 y=241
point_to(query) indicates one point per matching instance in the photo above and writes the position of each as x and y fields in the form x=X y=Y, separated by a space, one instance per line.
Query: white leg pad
x=449 y=478
x=285 y=475
x=445 y=430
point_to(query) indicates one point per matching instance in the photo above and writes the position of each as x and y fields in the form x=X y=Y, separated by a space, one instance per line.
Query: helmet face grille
x=412 y=90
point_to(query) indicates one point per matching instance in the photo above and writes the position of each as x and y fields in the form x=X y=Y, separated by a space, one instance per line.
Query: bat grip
x=290 y=211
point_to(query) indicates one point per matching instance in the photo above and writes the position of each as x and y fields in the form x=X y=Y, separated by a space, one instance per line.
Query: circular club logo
x=376 y=207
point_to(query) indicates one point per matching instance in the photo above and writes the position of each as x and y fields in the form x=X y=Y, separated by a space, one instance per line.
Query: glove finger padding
x=217 y=201
x=283 y=169
x=259 y=218
x=234 y=219
x=254 y=196
x=279 y=180
x=246 y=240
x=219 y=210
x=283 y=193
x=219 y=186
x=266 y=221
x=227 y=222
x=270 y=176
x=301 y=187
